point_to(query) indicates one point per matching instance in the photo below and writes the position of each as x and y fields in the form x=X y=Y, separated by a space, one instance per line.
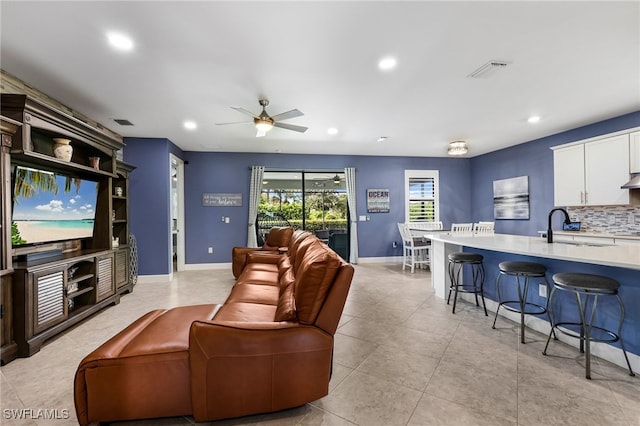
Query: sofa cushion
x=286 y=279
x=254 y=293
x=313 y=281
x=245 y=312
x=286 y=310
x=299 y=254
x=298 y=237
x=284 y=264
x=258 y=275
x=278 y=237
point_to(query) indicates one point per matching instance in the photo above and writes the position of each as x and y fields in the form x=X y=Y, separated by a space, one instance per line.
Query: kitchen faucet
x=567 y=220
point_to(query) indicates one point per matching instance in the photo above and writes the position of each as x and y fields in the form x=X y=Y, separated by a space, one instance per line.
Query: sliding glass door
x=313 y=201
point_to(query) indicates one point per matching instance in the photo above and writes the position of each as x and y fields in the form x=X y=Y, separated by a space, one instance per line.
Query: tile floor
x=401 y=358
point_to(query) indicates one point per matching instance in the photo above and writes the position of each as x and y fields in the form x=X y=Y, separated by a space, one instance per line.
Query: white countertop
x=621 y=256
x=598 y=235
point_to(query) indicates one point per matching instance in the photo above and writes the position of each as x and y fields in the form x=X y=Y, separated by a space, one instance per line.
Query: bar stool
x=520 y=270
x=456 y=265
x=592 y=287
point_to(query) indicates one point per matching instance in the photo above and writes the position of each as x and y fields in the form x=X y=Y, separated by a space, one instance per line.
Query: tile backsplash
x=607 y=219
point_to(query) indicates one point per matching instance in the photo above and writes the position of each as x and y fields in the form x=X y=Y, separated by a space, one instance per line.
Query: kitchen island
x=620 y=262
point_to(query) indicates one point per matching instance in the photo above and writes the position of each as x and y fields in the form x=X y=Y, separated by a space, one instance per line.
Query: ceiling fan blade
x=244 y=111
x=286 y=115
x=300 y=129
x=260 y=134
x=234 y=122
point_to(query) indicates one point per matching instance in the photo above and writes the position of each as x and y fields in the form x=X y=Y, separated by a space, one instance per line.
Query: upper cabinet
x=591 y=173
x=634 y=150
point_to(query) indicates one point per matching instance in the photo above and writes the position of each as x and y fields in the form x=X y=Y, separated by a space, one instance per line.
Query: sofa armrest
x=240 y=370
x=272 y=257
x=239 y=256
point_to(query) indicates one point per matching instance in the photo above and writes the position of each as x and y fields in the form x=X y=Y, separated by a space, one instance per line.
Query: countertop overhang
x=621 y=256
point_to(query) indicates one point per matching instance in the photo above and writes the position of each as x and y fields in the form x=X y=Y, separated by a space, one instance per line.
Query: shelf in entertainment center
x=31 y=158
x=79 y=292
x=79 y=278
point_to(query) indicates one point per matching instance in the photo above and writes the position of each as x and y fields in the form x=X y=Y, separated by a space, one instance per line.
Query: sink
x=582 y=244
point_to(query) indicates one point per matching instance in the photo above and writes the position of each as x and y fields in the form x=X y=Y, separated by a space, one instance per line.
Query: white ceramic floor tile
x=401 y=358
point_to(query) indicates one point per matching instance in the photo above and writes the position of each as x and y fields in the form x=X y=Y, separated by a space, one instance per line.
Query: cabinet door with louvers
x=49 y=307
x=105 y=284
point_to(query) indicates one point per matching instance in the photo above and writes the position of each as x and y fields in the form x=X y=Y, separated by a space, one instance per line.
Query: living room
x=367 y=371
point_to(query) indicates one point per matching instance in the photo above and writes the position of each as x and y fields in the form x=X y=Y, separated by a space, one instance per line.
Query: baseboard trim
x=205 y=266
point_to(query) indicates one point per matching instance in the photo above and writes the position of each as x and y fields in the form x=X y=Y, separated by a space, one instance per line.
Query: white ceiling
x=572 y=63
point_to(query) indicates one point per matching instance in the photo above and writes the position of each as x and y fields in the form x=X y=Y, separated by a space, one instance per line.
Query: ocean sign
x=377 y=200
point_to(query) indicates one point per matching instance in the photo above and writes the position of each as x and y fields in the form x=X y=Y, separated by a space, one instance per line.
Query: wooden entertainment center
x=49 y=287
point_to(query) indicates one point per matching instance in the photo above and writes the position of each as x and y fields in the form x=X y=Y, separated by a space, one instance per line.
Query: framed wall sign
x=221 y=200
x=378 y=200
x=511 y=198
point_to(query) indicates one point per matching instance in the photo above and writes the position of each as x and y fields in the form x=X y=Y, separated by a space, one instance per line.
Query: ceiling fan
x=264 y=122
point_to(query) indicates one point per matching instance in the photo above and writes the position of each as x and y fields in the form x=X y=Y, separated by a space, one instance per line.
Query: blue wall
x=533 y=159
x=149 y=206
x=466 y=192
x=229 y=172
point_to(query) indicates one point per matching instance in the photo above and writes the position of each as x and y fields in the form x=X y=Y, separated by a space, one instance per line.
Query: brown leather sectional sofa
x=278 y=240
x=267 y=348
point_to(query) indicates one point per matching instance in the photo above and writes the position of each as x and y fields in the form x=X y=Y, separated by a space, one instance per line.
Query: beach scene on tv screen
x=49 y=207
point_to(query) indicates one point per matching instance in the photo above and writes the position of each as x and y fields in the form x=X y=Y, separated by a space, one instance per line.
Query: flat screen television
x=51 y=207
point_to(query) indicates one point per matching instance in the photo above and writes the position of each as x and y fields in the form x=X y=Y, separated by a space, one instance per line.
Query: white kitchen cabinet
x=568 y=176
x=634 y=152
x=592 y=173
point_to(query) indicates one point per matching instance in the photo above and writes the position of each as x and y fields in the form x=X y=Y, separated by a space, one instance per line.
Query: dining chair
x=425 y=226
x=483 y=228
x=461 y=228
x=414 y=251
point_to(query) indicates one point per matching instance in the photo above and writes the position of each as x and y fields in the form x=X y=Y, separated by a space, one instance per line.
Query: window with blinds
x=421 y=194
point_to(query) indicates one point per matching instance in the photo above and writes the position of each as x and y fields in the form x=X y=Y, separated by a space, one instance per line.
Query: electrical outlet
x=394 y=244
x=226 y=219
x=210 y=249
x=542 y=290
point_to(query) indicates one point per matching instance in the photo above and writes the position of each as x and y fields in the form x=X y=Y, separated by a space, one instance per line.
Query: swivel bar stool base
x=591 y=287
x=526 y=270
x=456 y=263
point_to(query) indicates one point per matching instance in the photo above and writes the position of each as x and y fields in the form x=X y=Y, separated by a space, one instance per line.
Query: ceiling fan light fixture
x=457 y=148
x=336 y=179
x=263 y=124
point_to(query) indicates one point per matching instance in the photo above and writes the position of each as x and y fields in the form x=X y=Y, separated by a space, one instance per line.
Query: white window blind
x=421 y=193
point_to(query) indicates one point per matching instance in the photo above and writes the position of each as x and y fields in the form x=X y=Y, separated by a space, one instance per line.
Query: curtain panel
x=350 y=180
x=257 y=173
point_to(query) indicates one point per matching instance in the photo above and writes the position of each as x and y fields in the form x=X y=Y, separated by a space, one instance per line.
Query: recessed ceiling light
x=120 y=41
x=387 y=63
x=533 y=119
x=190 y=125
x=332 y=130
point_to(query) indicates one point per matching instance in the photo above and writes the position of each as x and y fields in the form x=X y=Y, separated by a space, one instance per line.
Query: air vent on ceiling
x=488 y=69
x=123 y=122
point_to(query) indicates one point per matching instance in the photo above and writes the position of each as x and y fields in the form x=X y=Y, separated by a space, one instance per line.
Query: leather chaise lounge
x=268 y=347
